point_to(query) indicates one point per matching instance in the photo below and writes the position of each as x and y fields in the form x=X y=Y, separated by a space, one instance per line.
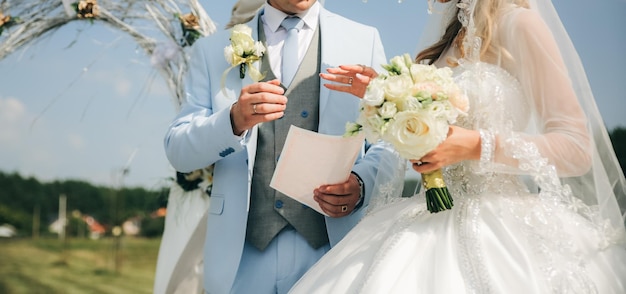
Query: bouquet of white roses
x=411 y=107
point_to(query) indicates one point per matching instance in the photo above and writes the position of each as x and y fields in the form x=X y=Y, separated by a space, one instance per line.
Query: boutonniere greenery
x=243 y=51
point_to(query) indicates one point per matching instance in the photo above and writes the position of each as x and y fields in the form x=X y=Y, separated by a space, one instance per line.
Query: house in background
x=7 y=231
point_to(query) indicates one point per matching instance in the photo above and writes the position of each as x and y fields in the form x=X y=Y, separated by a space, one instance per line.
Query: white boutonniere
x=243 y=51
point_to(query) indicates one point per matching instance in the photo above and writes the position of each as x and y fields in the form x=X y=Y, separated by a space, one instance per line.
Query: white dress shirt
x=275 y=35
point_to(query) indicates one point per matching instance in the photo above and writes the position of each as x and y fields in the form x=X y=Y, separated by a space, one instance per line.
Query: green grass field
x=79 y=266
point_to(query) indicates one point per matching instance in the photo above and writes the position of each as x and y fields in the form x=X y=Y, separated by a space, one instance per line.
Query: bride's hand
x=461 y=144
x=351 y=79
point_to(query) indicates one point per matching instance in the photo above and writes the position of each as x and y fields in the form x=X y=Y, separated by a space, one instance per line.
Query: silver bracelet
x=487 y=146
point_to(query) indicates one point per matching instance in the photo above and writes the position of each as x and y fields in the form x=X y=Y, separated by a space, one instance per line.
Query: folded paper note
x=311 y=159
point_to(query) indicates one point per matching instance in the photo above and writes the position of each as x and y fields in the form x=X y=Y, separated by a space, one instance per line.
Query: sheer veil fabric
x=606 y=178
x=603 y=187
x=604 y=184
x=538 y=213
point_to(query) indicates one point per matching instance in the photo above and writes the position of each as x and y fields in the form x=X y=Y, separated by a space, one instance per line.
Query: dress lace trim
x=475 y=274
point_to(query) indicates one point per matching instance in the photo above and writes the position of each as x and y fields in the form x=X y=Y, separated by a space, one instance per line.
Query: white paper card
x=310 y=159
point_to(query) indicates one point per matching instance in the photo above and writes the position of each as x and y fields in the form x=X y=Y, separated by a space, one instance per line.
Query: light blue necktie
x=290 y=48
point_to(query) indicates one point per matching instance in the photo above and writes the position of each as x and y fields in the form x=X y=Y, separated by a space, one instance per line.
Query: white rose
x=397 y=88
x=229 y=53
x=415 y=133
x=440 y=110
x=242 y=28
x=259 y=49
x=373 y=126
x=421 y=72
x=409 y=104
x=242 y=40
x=376 y=123
x=238 y=51
x=375 y=94
x=387 y=110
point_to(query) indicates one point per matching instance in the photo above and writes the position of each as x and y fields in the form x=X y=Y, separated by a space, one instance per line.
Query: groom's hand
x=340 y=199
x=258 y=102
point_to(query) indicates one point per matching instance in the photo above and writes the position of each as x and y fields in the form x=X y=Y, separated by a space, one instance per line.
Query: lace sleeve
x=565 y=130
x=558 y=125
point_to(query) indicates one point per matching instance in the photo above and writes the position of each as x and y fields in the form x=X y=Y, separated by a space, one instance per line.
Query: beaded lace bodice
x=495 y=100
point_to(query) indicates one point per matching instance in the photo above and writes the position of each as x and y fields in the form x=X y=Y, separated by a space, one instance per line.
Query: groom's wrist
x=359 y=203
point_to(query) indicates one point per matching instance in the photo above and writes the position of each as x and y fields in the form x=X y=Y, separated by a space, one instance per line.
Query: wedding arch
x=162 y=28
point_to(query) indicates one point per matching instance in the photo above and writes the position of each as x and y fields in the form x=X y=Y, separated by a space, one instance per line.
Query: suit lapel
x=327 y=46
x=253 y=133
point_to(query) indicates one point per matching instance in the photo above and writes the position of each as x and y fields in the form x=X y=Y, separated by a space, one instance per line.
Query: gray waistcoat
x=270 y=210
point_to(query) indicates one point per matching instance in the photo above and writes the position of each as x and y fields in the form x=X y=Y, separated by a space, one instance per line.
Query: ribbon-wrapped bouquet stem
x=411 y=106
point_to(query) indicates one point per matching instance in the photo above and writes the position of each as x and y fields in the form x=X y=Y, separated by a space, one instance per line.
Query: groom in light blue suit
x=259 y=240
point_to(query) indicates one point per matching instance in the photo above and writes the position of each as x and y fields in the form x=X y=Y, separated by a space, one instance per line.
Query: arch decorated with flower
x=162 y=28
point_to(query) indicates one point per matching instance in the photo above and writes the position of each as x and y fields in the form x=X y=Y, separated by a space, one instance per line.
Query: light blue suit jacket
x=201 y=135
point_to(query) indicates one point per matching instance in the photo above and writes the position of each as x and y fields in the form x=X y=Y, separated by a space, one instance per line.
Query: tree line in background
x=24 y=201
x=31 y=206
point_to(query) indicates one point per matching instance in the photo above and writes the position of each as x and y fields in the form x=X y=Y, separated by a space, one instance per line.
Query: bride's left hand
x=352 y=79
x=461 y=144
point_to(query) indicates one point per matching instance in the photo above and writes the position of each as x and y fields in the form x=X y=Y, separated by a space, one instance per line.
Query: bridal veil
x=602 y=188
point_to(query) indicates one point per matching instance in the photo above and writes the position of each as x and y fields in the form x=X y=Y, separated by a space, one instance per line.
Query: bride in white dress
x=532 y=172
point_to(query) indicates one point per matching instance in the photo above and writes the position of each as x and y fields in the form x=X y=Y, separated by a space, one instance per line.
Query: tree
x=618 y=139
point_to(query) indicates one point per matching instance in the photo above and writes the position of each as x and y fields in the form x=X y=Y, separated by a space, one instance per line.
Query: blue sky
x=81 y=110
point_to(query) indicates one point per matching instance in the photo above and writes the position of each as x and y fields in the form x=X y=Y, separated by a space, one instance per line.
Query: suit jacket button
x=278 y=204
x=227 y=151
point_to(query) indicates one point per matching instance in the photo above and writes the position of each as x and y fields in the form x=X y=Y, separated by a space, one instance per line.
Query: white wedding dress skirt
x=480 y=246
x=503 y=234
x=180 y=262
